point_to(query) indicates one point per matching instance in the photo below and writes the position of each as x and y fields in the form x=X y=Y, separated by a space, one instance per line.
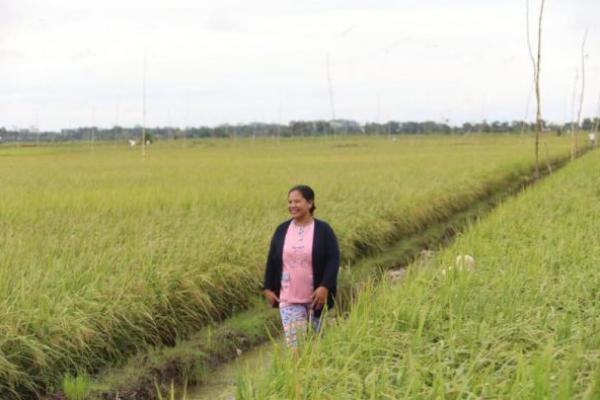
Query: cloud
x=9 y=53
x=237 y=61
x=579 y=13
x=221 y=21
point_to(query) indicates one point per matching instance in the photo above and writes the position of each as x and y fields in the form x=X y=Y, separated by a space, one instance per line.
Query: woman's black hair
x=307 y=193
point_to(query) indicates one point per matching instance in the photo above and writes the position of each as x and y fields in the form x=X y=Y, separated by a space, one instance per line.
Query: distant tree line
x=293 y=129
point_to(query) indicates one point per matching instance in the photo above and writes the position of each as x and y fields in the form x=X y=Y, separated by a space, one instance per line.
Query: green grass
x=147 y=374
x=105 y=254
x=192 y=360
x=524 y=325
x=76 y=388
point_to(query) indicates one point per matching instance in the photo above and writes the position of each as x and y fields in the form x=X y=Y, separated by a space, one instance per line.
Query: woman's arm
x=268 y=283
x=332 y=265
x=272 y=273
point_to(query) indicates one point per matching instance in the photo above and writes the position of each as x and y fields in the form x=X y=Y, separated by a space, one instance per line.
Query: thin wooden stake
x=144 y=109
x=331 y=101
x=536 y=73
x=581 y=95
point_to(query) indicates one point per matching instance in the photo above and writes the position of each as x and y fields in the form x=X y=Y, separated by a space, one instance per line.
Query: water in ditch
x=220 y=384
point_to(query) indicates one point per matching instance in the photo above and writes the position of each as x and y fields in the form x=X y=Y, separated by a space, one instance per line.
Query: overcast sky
x=67 y=63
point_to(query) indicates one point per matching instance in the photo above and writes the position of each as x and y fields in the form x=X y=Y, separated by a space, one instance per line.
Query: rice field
x=523 y=325
x=104 y=254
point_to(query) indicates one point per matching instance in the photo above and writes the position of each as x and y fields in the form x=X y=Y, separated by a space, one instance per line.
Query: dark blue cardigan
x=325 y=260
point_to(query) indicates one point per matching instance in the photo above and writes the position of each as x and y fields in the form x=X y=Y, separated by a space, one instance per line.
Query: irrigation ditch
x=193 y=361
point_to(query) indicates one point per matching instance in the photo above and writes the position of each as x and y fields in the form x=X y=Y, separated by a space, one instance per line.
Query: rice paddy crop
x=103 y=254
x=523 y=325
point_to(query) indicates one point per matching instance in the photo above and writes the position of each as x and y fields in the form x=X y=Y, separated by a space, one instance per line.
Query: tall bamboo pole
x=536 y=76
x=144 y=108
x=573 y=113
x=581 y=97
x=331 y=100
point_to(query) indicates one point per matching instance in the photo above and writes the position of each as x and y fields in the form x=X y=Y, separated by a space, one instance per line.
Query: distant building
x=346 y=126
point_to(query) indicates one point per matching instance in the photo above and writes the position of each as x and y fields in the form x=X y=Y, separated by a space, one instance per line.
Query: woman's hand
x=319 y=297
x=271 y=296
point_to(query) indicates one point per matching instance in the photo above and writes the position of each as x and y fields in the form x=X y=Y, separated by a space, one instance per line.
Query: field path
x=220 y=384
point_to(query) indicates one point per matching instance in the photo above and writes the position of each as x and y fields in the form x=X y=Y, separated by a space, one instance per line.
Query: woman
x=302 y=266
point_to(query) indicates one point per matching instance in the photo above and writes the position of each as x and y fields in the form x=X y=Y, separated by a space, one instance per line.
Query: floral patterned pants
x=296 y=319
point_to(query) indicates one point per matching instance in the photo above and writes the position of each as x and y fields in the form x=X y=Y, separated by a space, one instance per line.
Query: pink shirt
x=297 y=273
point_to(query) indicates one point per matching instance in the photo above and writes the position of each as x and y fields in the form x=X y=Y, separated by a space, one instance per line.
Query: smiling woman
x=302 y=266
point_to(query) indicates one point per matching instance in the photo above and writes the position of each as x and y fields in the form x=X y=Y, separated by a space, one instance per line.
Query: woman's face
x=298 y=206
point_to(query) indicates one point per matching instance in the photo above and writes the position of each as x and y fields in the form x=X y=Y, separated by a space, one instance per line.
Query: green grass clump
x=523 y=325
x=76 y=388
x=105 y=254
